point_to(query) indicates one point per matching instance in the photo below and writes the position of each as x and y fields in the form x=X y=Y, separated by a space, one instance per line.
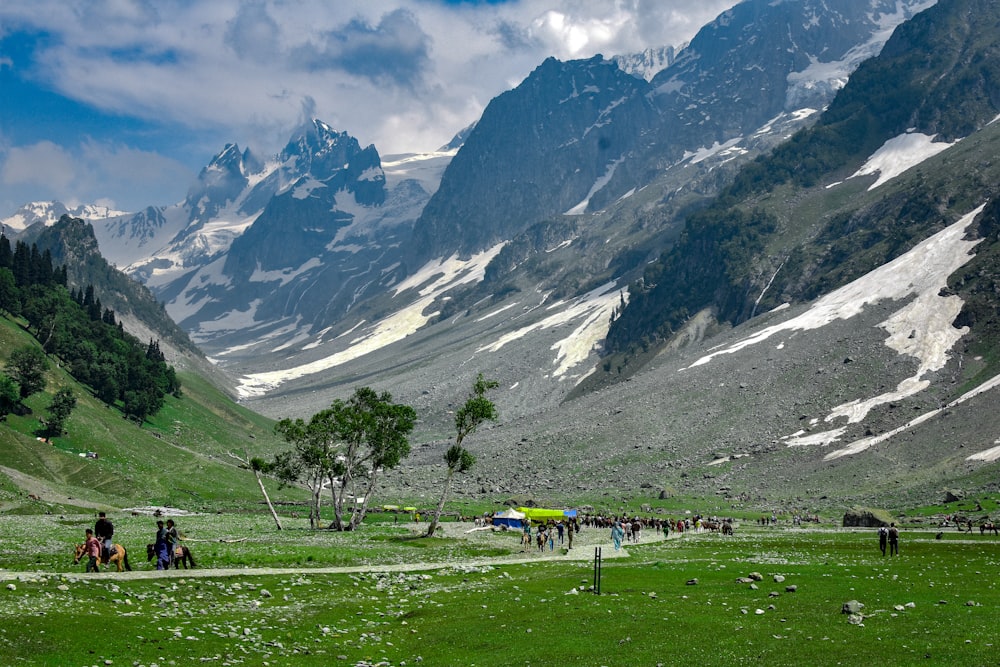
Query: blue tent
x=510 y=518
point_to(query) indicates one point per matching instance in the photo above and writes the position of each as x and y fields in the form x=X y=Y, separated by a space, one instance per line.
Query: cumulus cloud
x=402 y=74
x=87 y=173
x=393 y=51
x=253 y=34
x=42 y=164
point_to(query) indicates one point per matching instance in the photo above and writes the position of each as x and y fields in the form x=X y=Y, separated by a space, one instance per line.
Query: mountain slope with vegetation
x=180 y=457
x=761 y=244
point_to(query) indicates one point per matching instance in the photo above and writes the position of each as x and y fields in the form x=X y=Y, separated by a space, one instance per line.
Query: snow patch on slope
x=922 y=328
x=581 y=208
x=434 y=279
x=899 y=154
x=594 y=309
x=826 y=78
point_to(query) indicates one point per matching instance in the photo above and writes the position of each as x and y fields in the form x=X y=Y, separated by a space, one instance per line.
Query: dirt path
x=583 y=550
x=45 y=491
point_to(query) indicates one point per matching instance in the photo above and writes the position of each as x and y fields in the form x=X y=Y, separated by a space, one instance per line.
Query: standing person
x=883 y=537
x=893 y=540
x=569 y=536
x=560 y=528
x=104 y=530
x=616 y=535
x=92 y=549
x=173 y=541
x=160 y=547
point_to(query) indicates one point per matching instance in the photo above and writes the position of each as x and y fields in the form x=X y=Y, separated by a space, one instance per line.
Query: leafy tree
x=59 y=409
x=310 y=459
x=27 y=366
x=9 y=301
x=9 y=395
x=345 y=447
x=474 y=412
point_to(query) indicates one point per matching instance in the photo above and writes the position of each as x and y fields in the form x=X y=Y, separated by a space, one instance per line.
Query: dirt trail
x=583 y=550
x=45 y=491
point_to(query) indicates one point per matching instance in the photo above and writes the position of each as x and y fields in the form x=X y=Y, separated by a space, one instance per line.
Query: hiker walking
x=893 y=540
x=91 y=549
x=883 y=538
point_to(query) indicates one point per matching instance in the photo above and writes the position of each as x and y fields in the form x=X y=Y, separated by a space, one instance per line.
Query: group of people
x=549 y=534
x=98 y=543
x=889 y=536
x=165 y=546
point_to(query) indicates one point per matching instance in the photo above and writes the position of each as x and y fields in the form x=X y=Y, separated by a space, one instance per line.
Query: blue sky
x=122 y=102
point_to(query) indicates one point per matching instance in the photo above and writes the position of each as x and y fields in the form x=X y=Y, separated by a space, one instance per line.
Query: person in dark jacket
x=104 y=530
x=161 y=548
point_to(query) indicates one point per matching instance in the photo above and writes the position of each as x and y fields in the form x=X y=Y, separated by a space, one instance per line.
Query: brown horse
x=987 y=527
x=181 y=556
x=727 y=528
x=118 y=556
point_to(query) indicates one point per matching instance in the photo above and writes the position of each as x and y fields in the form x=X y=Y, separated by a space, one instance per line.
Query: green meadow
x=385 y=596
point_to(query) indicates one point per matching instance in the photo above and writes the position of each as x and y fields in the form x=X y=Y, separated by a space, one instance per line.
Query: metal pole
x=597 y=570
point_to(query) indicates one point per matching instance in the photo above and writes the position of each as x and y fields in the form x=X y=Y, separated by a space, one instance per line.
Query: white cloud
x=88 y=173
x=404 y=74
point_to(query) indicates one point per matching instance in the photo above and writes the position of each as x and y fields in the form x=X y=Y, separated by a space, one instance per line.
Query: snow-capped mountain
x=298 y=258
x=648 y=63
x=48 y=213
x=790 y=251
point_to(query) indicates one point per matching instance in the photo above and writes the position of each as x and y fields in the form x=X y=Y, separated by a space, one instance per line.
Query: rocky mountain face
x=791 y=263
x=574 y=137
x=648 y=63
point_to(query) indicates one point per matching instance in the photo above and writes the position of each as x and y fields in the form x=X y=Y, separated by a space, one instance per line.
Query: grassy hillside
x=179 y=458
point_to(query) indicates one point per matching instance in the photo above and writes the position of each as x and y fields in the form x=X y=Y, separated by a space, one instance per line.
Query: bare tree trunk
x=267 y=499
x=359 y=514
x=247 y=462
x=440 y=507
x=338 y=503
x=317 y=501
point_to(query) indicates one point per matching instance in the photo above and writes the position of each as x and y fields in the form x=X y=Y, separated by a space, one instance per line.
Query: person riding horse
x=104 y=530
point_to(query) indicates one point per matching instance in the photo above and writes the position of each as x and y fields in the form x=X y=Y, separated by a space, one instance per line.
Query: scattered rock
x=692 y=582
x=791 y=588
x=864 y=517
x=756 y=576
x=851 y=607
x=953 y=495
x=778 y=578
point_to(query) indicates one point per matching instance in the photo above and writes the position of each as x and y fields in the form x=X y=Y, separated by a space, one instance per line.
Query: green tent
x=541 y=515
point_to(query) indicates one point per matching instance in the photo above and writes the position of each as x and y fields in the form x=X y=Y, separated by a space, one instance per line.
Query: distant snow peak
x=49 y=212
x=822 y=78
x=899 y=154
x=648 y=63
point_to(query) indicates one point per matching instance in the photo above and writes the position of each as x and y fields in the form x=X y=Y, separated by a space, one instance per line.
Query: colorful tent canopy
x=541 y=514
x=510 y=518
